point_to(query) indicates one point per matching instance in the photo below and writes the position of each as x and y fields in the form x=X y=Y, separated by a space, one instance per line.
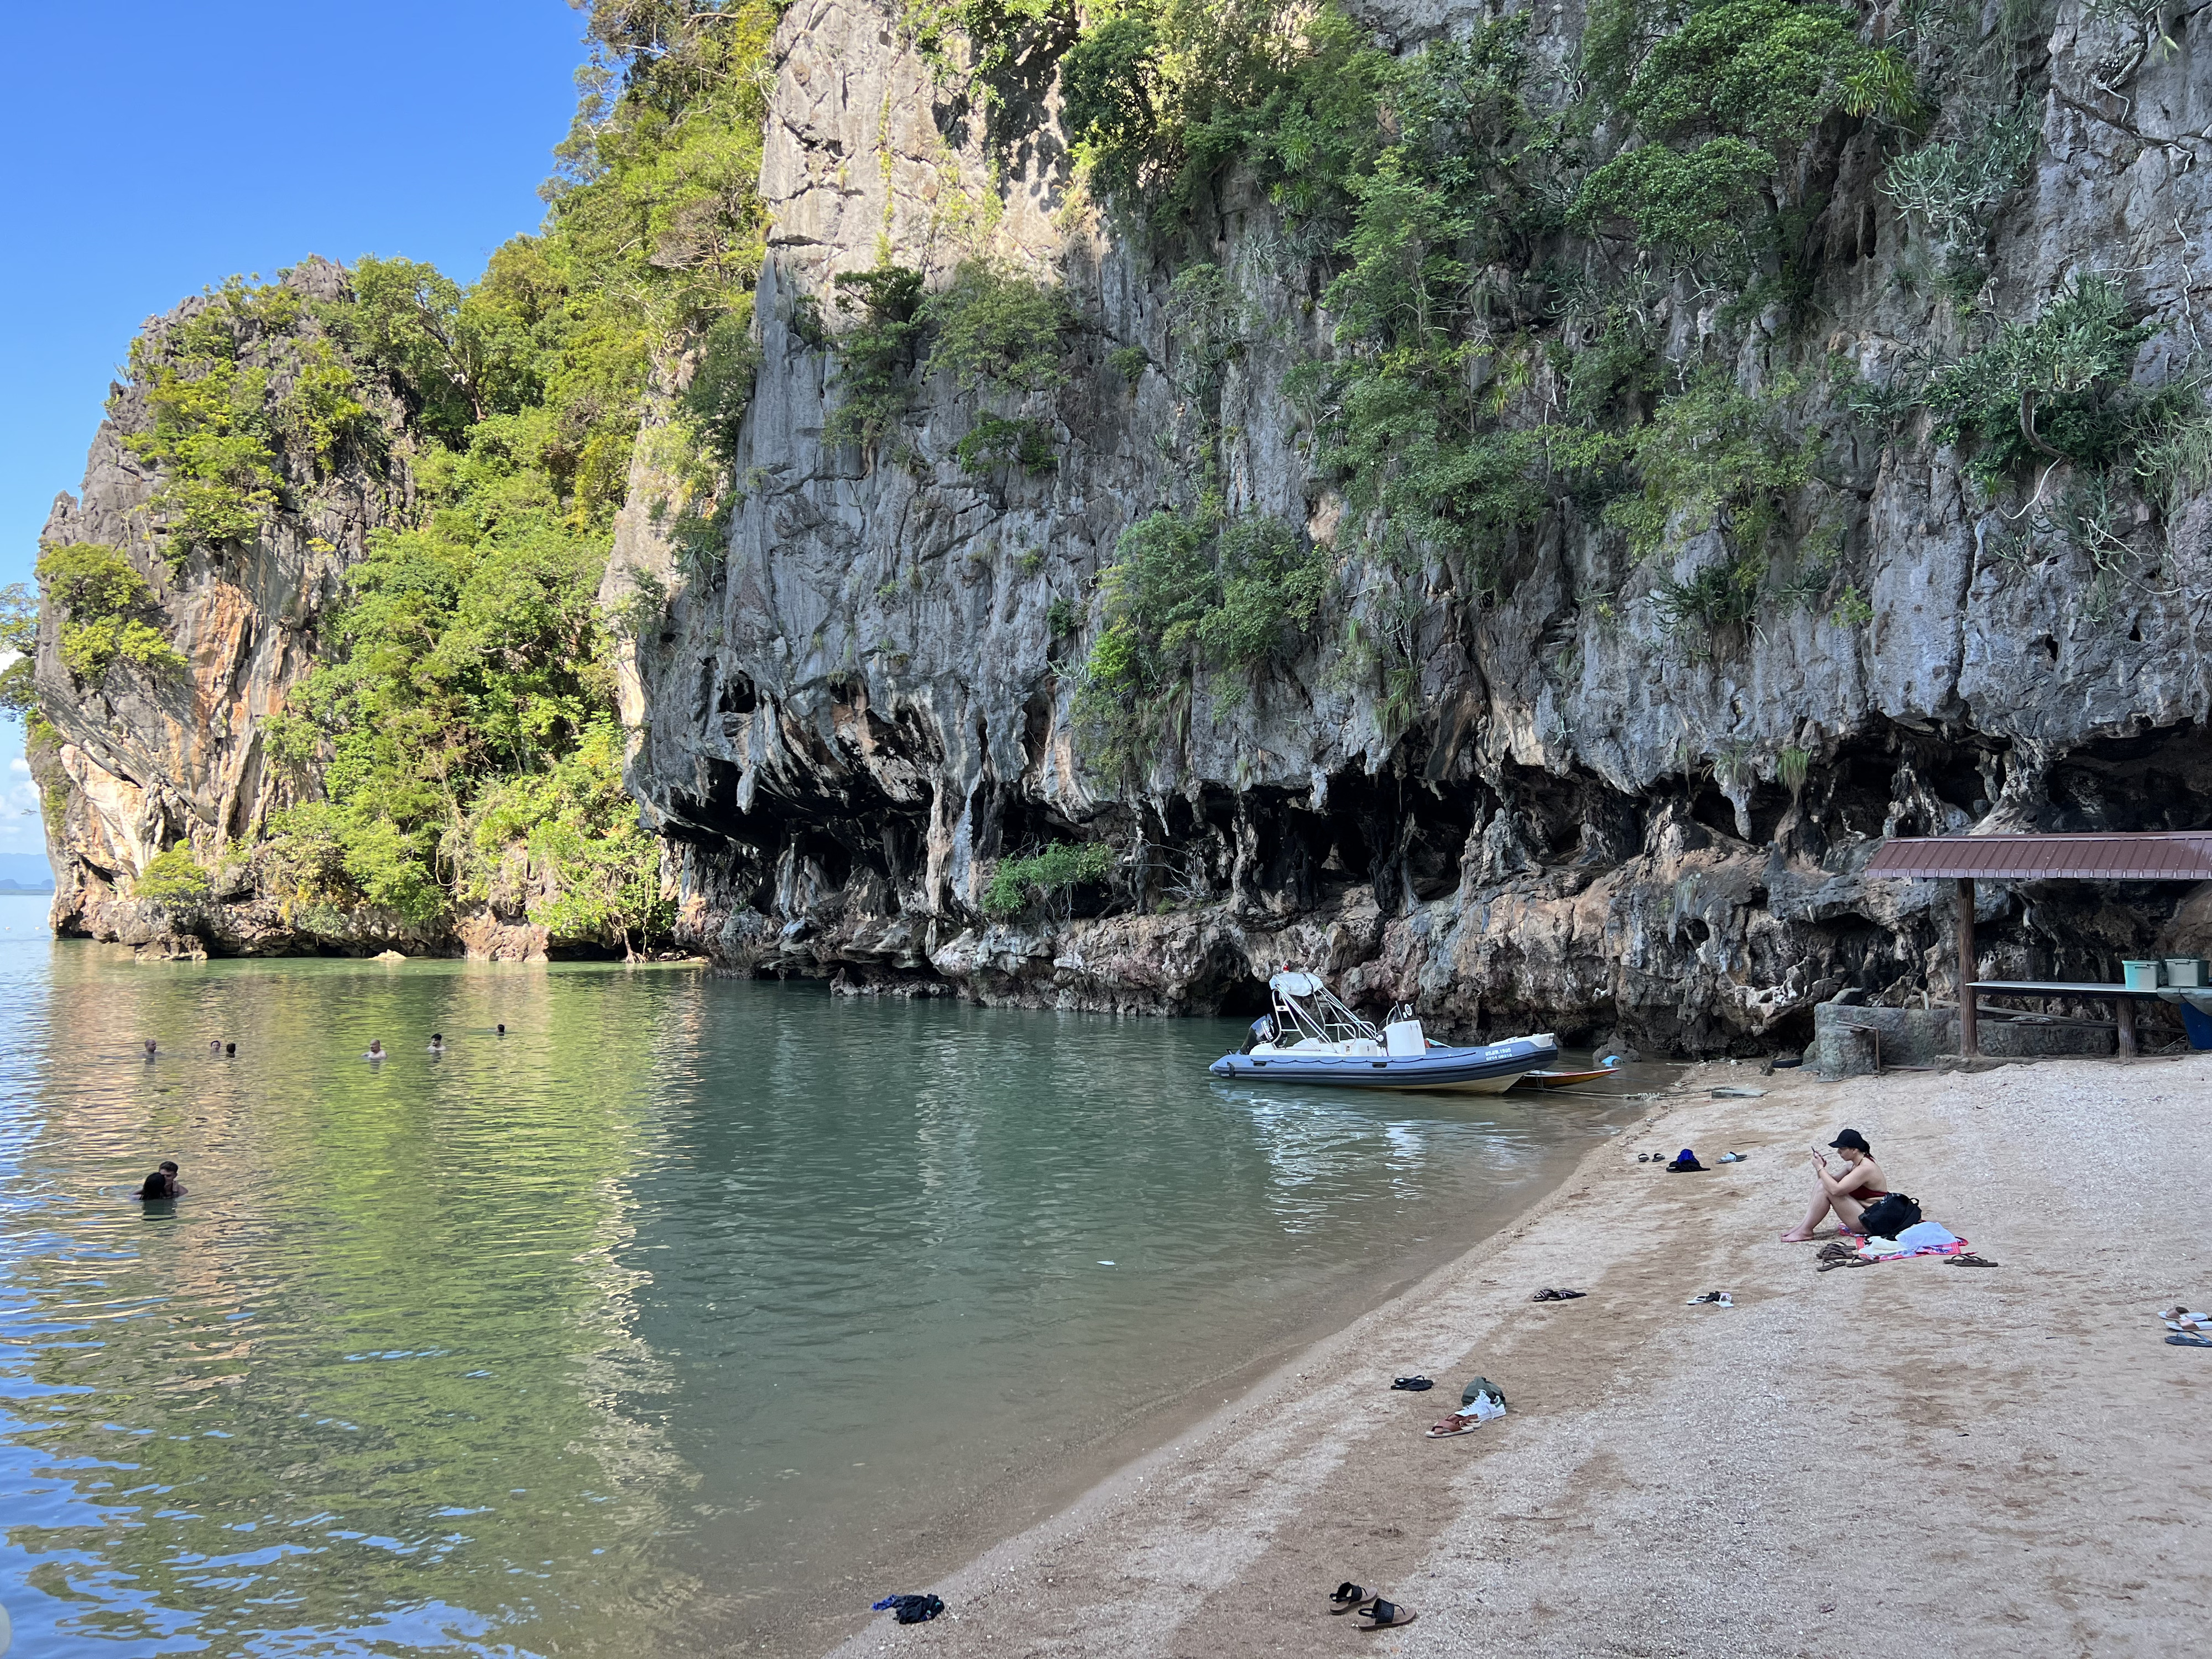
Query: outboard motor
x=1263 y=1031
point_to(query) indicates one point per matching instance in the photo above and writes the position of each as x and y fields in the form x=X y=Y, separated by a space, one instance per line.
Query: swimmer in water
x=230 y=1051
x=502 y=1027
x=168 y=1169
x=155 y=1189
x=437 y=1043
x=375 y=1050
x=215 y=1045
x=149 y=1048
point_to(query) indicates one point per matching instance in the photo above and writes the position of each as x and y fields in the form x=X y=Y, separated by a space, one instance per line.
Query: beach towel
x=1924 y=1238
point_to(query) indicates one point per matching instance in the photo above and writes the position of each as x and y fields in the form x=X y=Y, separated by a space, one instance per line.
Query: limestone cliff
x=1831 y=462
x=244 y=470
x=1570 y=810
x=144 y=756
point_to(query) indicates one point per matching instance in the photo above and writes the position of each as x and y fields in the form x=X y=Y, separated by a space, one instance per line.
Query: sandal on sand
x=1383 y=1614
x=1349 y=1597
x=2176 y=1340
x=1968 y=1258
x=1558 y=1296
x=1717 y=1298
x=1455 y=1424
x=1413 y=1384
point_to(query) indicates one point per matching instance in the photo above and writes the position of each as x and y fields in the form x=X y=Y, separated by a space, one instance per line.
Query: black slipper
x=1349 y=1597
x=1384 y=1614
x=1412 y=1384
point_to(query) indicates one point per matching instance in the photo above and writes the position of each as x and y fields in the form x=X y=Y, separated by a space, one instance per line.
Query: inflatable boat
x=1311 y=1037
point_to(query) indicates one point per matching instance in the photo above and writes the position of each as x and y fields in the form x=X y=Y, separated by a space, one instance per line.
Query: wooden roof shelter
x=2145 y=855
x=2150 y=855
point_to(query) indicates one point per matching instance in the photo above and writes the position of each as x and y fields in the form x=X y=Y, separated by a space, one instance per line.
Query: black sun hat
x=1854 y=1140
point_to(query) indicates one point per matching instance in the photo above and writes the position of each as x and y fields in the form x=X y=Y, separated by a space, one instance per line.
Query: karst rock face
x=143 y=759
x=1566 y=811
x=1585 y=824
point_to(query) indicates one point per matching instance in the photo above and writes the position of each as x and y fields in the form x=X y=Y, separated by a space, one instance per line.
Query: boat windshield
x=1304 y=1007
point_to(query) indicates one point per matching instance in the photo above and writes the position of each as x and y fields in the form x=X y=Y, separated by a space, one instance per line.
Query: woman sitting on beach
x=1846 y=1194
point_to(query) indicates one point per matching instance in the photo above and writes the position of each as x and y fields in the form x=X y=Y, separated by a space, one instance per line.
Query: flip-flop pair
x=1557 y=1296
x=1372 y=1612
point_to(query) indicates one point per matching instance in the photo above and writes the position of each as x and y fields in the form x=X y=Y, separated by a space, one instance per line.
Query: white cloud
x=18 y=802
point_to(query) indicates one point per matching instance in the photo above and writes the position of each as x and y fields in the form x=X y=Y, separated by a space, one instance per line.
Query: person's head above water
x=375 y=1049
x=502 y=1027
x=228 y=1049
x=155 y=1185
x=1850 y=1141
x=169 y=1168
x=149 y=1048
x=215 y=1045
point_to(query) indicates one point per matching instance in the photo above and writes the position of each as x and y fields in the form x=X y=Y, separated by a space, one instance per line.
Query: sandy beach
x=1979 y=1462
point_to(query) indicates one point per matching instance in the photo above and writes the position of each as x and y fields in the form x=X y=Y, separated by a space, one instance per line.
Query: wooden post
x=2127 y=1023
x=1970 y=1038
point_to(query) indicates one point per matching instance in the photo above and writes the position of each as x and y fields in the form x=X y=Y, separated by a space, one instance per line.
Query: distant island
x=8 y=884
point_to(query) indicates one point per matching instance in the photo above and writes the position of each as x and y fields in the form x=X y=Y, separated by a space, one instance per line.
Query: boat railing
x=1304 y=1007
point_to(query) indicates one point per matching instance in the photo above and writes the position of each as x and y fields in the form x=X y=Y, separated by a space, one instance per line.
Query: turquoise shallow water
x=687 y=1300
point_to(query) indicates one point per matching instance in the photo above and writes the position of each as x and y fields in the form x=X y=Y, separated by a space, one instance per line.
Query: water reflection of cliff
x=689 y=1300
x=371 y=1378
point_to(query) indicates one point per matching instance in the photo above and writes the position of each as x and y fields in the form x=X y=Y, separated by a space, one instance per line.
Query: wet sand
x=1983 y=1461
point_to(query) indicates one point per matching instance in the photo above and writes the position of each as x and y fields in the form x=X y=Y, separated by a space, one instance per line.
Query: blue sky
x=156 y=149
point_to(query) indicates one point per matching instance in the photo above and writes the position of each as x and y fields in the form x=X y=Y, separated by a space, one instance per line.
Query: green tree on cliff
x=466 y=718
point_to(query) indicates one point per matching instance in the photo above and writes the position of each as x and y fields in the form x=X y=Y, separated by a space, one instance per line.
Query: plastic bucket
x=2141 y=975
x=2184 y=970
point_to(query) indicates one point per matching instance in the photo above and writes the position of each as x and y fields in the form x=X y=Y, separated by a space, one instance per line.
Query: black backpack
x=1888 y=1216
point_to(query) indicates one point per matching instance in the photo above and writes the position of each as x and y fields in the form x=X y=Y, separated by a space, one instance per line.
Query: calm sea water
x=684 y=1295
